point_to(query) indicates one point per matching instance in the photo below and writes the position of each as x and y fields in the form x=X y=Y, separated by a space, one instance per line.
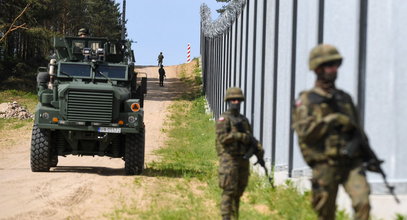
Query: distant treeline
x=27 y=27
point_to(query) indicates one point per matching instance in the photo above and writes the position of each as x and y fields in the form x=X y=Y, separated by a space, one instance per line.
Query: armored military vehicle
x=90 y=104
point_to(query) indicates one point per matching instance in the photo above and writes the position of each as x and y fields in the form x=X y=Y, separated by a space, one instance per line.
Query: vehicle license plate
x=109 y=130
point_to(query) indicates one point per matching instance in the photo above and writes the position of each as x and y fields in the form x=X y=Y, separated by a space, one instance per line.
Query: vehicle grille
x=86 y=106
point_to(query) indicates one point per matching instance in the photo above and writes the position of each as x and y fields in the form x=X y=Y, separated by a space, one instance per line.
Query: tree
x=27 y=27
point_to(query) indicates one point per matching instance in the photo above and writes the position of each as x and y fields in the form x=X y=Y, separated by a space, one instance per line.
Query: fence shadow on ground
x=171 y=172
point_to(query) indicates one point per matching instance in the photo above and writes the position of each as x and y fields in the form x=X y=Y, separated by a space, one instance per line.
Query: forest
x=28 y=26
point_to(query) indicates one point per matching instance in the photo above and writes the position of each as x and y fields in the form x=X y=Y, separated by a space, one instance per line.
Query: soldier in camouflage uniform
x=325 y=120
x=161 y=72
x=160 y=58
x=234 y=137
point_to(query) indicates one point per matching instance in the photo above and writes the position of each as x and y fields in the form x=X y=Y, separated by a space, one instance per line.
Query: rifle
x=371 y=161
x=358 y=142
x=374 y=166
x=260 y=160
x=253 y=150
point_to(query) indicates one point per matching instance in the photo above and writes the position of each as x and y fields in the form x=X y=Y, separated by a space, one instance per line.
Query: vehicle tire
x=53 y=161
x=134 y=153
x=40 y=150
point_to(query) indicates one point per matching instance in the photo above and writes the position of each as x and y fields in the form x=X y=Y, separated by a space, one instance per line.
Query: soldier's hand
x=338 y=120
x=242 y=137
x=374 y=165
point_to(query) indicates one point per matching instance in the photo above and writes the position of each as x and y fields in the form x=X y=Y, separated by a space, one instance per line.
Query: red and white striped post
x=189 y=53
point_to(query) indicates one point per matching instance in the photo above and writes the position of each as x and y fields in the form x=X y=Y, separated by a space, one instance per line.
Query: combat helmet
x=323 y=53
x=83 y=31
x=234 y=93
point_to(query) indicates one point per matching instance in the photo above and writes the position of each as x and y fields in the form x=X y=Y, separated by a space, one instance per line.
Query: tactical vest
x=332 y=145
x=236 y=124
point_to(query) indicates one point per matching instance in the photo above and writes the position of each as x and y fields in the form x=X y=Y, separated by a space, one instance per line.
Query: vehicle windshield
x=112 y=72
x=74 y=70
x=84 y=71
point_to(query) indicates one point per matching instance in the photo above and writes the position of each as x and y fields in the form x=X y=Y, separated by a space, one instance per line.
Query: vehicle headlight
x=131 y=119
x=45 y=115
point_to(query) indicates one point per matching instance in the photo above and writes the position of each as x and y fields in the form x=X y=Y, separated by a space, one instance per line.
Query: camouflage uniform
x=325 y=122
x=161 y=72
x=234 y=136
x=160 y=59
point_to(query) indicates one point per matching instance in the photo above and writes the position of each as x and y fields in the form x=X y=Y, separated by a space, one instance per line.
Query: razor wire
x=214 y=28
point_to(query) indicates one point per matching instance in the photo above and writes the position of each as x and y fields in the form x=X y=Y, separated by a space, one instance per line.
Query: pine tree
x=23 y=49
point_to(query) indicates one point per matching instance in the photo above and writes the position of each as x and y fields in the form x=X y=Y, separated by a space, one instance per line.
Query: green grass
x=13 y=123
x=401 y=217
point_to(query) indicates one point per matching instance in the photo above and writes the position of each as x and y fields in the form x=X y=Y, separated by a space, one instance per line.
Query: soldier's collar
x=321 y=92
x=233 y=112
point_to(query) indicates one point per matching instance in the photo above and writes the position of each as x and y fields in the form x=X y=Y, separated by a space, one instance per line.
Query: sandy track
x=80 y=187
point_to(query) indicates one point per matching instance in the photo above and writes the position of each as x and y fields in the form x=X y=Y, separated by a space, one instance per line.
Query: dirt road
x=80 y=187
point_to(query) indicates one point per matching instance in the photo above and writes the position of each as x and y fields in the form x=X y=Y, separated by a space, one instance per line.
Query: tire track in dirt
x=81 y=187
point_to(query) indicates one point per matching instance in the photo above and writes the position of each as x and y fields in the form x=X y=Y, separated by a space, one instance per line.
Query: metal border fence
x=262 y=47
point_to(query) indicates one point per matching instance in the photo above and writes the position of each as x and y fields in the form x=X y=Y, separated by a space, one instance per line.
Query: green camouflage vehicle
x=90 y=103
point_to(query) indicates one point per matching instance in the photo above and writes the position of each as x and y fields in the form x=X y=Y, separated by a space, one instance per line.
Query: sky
x=165 y=26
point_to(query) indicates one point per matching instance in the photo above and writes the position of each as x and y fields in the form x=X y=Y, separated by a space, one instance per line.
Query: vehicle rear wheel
x=134 y=153
x=40 y=150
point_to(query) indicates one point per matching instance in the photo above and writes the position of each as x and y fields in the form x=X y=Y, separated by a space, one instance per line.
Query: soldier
x=234 y=138
x=83 y=32
x=160 y=59
x=161 y=72
x=326 y=122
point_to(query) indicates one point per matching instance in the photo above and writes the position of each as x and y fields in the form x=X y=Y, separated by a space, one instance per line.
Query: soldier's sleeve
x=223 y=130
x=309 y=124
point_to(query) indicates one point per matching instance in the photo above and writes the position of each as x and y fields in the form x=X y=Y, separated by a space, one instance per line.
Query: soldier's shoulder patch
x=298 y=102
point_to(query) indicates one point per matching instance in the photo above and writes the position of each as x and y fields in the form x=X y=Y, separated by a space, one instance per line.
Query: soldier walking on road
x=160 y=59
x=326 y=122
x=161 y=72
x=234 y=138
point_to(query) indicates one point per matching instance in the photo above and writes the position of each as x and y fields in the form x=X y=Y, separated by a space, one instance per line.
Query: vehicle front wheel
x=40 y=150
x=134 y=153
x=53 y=161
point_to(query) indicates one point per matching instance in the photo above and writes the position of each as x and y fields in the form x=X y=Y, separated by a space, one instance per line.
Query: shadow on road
x=103 y=171
x=149 y=172
x=170 y=91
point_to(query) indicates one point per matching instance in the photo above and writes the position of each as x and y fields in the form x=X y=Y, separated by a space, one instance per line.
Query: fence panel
x=269 y=80
x=343 y=33
x=258 y=69
x=386 y=88
x=283 y=106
